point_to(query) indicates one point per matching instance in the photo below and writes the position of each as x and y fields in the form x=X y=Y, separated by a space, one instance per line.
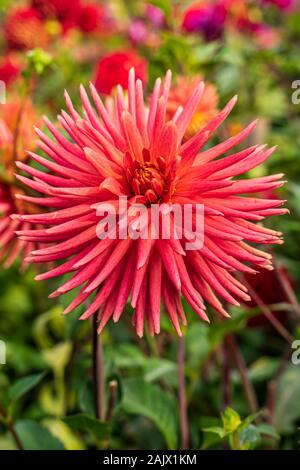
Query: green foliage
x=148 y=400
x=23 y=386
x=36 y=437
x=240 y=434
x=85 y=422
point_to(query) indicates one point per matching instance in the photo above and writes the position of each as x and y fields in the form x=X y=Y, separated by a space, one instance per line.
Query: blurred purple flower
x=205 y=18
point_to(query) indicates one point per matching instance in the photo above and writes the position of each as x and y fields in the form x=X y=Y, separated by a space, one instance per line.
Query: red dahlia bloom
x=130 y=150
x=112 y=70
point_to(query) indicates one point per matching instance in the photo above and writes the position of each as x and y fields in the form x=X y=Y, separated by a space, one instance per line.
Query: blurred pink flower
x=138 y=31
x=155 y=15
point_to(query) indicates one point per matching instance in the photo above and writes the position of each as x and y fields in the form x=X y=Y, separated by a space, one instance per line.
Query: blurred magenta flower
x=128 y=148
x=206 y=18
x=113 y=69
x=155 y=15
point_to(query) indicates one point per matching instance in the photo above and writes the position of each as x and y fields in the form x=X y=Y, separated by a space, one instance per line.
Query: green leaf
x=216 y=430
x=35 y=437
x=287 y=403
x=249 y=436
x=231 y=420
x=22 y=386
x=81 y=421
x=268 y=430
x=148 y=400
x=157 y=368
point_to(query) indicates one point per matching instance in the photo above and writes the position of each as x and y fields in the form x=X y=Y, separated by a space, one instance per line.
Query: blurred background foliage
x=242 y=388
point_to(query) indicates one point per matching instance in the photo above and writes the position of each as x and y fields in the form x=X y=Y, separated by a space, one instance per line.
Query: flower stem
x=236 y=441
x=287 y=288
x=183 y=418
x=113 y=386
x=226 y=375
x=98 y=372
x=242 y=368
x=10 y=426
x=267 y=312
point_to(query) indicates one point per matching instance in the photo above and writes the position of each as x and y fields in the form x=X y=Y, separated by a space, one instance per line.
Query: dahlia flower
x=112 y=70
x=127 y=149
x=25 y=29
x=206 y=110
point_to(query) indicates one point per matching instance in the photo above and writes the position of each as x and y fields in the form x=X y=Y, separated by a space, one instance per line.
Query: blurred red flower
x=94 y=17
x=9 y=69
x=113 y=70
x=64 y=11
x=24 y=29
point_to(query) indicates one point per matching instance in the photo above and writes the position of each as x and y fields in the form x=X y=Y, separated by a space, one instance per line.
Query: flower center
x=148 y=181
